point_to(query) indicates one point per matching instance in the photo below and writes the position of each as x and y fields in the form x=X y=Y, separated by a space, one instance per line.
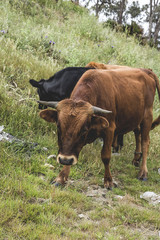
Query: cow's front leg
x=106 y=156
x=63 y=176
x=108 y=183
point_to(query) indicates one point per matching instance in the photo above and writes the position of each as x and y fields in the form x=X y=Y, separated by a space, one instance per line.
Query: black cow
x=60 y=85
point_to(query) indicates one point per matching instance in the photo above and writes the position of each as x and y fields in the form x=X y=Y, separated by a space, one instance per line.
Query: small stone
x=81 y=216
x=45 y=149
x=119 y=197
x=90 y=194
x=51 y=156
x=159 y=171
x=115 y=184
x=49 y=166
x=151 y=197
x=42 y=177
x=148 y=195
x=1 y=128
x=95 y=187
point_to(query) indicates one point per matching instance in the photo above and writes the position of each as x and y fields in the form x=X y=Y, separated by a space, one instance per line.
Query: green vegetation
x=31 y=207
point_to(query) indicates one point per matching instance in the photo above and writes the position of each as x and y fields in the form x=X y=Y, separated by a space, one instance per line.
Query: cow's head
x=43 y=92
x=40 y=90
x=78 y=123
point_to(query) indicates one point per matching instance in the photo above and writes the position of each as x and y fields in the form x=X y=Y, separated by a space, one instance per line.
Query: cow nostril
x=66 y=161
x=71 y=161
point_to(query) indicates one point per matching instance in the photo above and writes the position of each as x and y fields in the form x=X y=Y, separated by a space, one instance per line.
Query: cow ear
x=49 y=115
x=34 y=83
x=99 y=122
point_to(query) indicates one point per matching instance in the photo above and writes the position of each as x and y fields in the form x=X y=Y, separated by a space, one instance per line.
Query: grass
x=30 y=207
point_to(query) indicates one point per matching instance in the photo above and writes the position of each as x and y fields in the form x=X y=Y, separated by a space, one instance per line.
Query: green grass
x=30 y=207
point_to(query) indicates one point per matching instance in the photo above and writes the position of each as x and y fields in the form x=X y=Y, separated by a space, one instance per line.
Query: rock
x=1 y=128
x=99 y=194
x=96 y=192
x=7 y=137
x=81 y=216
x=45 y=149
x=115 y=184
x=159 y=171
x=49 y=166
x=52 y=156
x=151 y=197
x=94 y=187
x=42 y=176
x=118 y=197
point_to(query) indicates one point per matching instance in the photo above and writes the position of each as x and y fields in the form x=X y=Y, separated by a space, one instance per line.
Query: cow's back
x=126 y=93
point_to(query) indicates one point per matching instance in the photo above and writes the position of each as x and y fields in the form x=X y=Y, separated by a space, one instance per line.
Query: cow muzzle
x=66 y=160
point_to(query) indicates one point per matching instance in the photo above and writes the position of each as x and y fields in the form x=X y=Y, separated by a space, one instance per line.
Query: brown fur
x=104 y=66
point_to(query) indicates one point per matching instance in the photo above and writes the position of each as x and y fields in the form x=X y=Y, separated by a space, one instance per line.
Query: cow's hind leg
x=145 y=128
x=138 y=153
x=117 y=143
x=106 y=156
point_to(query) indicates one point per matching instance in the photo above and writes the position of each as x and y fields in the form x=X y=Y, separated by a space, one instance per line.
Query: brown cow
x=105 y=66
x=128 y=97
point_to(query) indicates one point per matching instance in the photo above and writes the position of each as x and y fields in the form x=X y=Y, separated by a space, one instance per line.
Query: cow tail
x=156 y=122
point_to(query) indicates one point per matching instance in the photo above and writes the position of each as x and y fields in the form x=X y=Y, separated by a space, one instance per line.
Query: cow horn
x=98 y=110
x=49 y=104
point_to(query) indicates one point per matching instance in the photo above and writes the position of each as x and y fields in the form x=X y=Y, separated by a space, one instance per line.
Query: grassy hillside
x=38 y=38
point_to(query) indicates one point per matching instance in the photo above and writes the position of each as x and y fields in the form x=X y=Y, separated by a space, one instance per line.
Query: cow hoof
x=136 y=163
x=143 y=179
x=53 y=181
x=57 y=184
x=108 y=186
